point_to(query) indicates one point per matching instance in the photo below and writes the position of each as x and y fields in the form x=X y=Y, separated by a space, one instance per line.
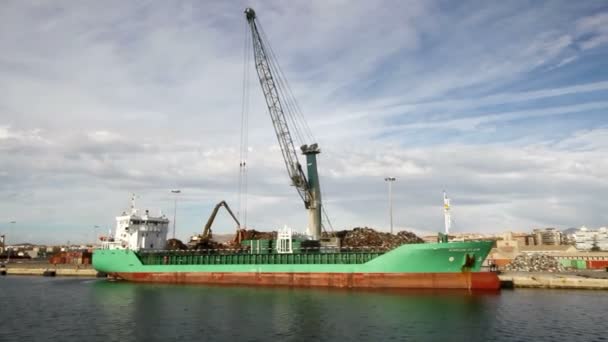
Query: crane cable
x=292 y=108
x=244 y=148
x=331 y=228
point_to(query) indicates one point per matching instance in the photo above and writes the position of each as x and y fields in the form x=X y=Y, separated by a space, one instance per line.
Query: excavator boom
x=207 y=229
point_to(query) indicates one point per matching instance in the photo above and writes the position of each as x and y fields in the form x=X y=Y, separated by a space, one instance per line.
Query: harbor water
x=82 y=309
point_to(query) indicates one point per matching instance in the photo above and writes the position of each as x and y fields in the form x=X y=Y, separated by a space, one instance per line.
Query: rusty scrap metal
x=535 y=263
x=368 y=237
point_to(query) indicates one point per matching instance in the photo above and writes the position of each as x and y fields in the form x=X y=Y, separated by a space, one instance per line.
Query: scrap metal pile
x=368 y=237
x=235 y=243
x=175 y=244
x=205 y=244
x=355 y=238
x=535 y=263
x=253 y=234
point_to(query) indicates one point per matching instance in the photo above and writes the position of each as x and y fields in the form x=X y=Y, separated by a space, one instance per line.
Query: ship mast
x=133 y=209
x=446 y=213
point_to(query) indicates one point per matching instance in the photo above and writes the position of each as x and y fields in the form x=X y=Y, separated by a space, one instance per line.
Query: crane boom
x=309 y=190
x=273 y=101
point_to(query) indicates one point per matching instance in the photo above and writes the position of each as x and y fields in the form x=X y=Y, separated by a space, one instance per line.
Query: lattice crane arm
x=274 y=103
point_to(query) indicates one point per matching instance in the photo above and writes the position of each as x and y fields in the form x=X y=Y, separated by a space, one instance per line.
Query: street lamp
x=94 y=234
x=175 y=210
x=390 y=181
x=8 y=251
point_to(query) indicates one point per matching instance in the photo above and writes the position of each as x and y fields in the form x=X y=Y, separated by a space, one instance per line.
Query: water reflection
x=290 y=313
x=71 y=309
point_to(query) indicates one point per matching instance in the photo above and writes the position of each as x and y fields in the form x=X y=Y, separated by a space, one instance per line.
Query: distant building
x=548 y=249
x=585 y=238
x=459 y=237
x=519 y=239
x=568 y=239
x=32 y=253
x=547 y=237
x=429 y=238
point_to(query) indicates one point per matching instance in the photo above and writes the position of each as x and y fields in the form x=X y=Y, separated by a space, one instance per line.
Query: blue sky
x=502 y=104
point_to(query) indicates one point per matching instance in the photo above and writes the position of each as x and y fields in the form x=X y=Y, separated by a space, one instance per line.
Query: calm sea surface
x=77 y=309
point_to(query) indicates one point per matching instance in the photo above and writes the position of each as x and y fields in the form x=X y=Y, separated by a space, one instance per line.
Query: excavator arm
x=207 y=230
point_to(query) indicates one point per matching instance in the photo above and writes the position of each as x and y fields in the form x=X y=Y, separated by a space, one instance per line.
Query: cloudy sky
x=503 y=104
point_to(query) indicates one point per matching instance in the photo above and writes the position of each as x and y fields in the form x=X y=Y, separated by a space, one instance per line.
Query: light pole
x=94 y=234
x=390 y=181
x=8 y=251
x=175 y=210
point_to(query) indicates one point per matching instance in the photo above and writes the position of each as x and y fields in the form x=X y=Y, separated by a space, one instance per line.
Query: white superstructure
x=285 y=241
x=136 y=231
x=586 y=238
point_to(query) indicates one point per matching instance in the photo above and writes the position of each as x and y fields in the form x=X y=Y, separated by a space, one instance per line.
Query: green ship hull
x=432 y=265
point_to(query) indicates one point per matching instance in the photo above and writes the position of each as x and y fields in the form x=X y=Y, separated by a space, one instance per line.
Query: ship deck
x=222 y=257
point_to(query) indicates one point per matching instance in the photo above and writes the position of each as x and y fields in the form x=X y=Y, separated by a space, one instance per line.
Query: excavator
x=203 y=241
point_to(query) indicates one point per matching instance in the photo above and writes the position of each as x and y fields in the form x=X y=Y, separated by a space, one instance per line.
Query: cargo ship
x=137 y=252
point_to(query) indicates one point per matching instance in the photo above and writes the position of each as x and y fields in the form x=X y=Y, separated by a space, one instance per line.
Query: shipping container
x=74 y=258
x=579 y=264
x=597 y=264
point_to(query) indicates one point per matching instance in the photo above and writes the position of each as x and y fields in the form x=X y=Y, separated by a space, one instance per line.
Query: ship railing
x=270 y=250
x=111 y=245
x=240 y=257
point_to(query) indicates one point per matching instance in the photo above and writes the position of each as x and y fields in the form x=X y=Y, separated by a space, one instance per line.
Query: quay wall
x=597 y=281
x=63 y=270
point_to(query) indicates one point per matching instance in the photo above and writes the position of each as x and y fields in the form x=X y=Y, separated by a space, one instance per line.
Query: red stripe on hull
x=465 y=280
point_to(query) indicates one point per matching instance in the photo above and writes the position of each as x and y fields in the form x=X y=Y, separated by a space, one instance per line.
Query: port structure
x=277 y=94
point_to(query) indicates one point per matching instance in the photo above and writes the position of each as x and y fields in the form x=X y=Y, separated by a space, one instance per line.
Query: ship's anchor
x=469 y=262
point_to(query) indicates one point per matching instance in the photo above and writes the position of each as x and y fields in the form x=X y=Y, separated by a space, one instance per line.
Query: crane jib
x=273 y=103
x=308 y=189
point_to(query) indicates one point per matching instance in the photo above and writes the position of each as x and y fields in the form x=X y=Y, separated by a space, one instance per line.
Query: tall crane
x=308 y=187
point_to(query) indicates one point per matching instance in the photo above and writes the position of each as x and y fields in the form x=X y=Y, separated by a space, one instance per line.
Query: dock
x=45 y=269
x=547 y=280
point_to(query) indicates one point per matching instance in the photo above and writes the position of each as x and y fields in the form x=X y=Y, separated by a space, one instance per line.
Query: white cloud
x=100 y=100
x=595 y=26
x=473 y=123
